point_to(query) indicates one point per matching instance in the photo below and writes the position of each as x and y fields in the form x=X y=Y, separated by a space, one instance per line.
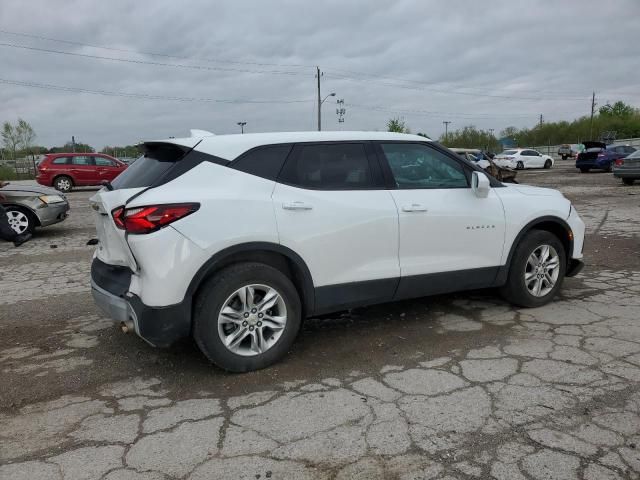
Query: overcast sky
x=487 y=63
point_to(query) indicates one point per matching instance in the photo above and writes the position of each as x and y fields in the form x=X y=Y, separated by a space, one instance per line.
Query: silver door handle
x=414 y=207
x=296 y=206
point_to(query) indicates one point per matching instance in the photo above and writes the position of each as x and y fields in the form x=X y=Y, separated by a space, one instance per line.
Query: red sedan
x=66 y=170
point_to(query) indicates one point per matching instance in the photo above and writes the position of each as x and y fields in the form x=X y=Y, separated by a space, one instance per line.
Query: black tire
x=609 y=168
x=520 y=165
x=30 y=217
x=628 y=181
x=211 y=299
x=564 y=157
x=515 y=290
x=63 y=183
x=547 y=164
x=584 y=170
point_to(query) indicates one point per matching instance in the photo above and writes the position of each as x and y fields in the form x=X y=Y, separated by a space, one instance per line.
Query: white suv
x=235 y=239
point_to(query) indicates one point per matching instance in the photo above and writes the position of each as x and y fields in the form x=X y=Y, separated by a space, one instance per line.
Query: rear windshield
x=509 y=152
x=149 y=168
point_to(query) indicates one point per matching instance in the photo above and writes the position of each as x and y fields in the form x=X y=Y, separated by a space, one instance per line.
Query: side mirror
x=480 y=184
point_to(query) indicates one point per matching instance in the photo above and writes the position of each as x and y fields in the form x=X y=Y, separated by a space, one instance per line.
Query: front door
x=331 y=208
x=444 y=227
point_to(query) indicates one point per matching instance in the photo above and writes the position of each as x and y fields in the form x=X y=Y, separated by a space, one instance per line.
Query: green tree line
x=619 y=117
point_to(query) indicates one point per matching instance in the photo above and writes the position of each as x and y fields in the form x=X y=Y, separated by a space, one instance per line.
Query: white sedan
x=521 y=158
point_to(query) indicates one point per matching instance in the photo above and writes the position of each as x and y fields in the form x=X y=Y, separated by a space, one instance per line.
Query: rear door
x=83 y=170
x=332 y=209
x=444 y=227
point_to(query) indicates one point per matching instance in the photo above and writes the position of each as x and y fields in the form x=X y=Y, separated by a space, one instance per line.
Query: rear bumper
x=158 y=326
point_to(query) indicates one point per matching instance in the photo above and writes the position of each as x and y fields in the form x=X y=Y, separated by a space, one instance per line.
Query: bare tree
x=10 y=138
x=26 y=136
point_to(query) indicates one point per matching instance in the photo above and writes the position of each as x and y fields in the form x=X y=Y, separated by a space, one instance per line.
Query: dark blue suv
x=600 y=156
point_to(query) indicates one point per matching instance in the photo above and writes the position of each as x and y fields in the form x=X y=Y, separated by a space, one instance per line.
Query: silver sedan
x=31 y=206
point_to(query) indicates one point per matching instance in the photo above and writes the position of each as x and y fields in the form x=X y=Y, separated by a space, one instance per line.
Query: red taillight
x=148 y=219
x=619 y=162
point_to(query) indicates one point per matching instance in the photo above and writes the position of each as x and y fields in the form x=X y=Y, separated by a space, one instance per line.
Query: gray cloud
x=552 y=53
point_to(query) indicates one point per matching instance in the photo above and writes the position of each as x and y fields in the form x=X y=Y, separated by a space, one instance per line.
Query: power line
x=144 y=62
x=451 y=92
x=142 y=95
x=152 y=54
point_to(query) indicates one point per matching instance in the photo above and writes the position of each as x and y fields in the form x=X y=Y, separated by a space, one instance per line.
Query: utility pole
x=593 y=109
x=446 y=130
x=242 y=124
x=541 y=120
x=319 y=100
x=73 y=144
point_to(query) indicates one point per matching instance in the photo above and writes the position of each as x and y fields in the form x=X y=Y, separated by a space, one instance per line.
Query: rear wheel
x=536 y=271
x=20 y=220
x=608 y=168
x=247 y=317
x=520 y=165
x=564 y=157
x=584 y=170
x=547 y=164
x=628 y=181
x=63 y=183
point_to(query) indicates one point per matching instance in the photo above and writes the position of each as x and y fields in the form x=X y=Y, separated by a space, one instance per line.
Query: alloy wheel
x=63 y=184
x=18 y=221
x=252 y=319
x=542 y=270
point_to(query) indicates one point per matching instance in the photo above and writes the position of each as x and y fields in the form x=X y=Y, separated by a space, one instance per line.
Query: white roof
x=231 y=146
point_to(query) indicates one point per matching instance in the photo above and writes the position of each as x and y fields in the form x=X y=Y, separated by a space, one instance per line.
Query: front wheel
x=247 y=317
x=547 y=164
x=520 y=165
x=628 y=181
x=21 y=221
x=536 y=270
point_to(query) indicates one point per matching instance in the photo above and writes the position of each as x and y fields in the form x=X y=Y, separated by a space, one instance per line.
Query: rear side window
x=142 y=173
x=81 y=160
x=342 y=166
x=265 y=162
x=60 y=161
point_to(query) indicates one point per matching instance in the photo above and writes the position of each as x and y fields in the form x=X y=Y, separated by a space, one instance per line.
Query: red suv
x=66 y=170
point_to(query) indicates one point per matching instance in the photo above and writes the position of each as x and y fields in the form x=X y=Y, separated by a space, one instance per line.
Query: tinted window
x=81 y=160
x=265 y=162
x=418 y=166
x=329 y=167
x=104 y=162
x=60 y=160
x=142 y=173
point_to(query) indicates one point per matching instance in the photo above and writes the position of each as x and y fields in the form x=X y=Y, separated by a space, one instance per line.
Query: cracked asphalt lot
x=459 y=386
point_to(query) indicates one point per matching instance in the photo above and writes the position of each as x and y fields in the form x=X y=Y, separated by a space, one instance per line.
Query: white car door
x=332 y=209
x=447 y=233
